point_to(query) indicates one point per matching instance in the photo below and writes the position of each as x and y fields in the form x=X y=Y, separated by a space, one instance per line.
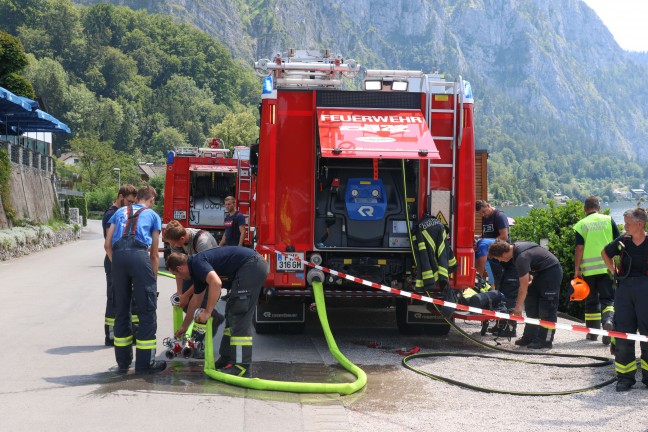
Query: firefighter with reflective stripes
x=434 y=257
x=539 y=295
x=132 y=246
x=125 y=196
x=631 y=302
x=247 y=271
x=191 y=241
x=593 y=232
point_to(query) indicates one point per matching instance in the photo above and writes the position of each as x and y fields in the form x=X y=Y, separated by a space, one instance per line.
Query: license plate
x=179 y=214
x=286 y=264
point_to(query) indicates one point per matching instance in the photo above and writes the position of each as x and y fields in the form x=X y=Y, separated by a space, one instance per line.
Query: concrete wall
x=31 y=195
x=31 y=187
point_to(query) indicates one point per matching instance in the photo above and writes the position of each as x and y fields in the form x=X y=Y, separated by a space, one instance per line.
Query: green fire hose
x=286 y=386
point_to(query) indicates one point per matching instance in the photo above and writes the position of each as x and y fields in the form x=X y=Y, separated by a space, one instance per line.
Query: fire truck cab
x=345 y=170
x=199 y=179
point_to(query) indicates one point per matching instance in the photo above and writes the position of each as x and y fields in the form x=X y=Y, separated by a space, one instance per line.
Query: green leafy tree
x=12 y=61
x=97 y=161
x=237 y=129
x=37 y=41
x=187 y=107
x=51 y=82
x=554 y=223
x=13 y=13
x=63 y=19
x=166 y=139
x=101 y=198
x=117 y=68
x=158 y=183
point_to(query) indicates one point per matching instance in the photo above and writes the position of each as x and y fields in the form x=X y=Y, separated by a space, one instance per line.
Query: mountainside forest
x=559 y=105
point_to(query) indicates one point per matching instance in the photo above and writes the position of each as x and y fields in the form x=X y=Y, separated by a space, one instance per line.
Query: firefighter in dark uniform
x=132 y=246
x=125 y=196
x=190 y=241
x=247 y=271
x=631 y=302
x=538 y=296
x=593 y=232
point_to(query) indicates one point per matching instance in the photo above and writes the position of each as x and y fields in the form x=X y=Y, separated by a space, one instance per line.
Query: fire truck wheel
x=293 y=328
x=266 y=328
x=437 y=329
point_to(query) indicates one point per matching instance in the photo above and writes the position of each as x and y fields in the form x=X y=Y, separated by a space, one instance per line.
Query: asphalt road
x=58 y=375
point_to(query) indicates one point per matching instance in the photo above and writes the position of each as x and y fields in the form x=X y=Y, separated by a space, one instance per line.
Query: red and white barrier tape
x=486 y=312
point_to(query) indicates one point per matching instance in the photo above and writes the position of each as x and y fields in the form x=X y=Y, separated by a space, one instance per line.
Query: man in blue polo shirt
x=247 y=271
x=494 y=226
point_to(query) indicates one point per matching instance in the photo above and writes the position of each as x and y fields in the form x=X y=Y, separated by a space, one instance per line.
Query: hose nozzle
x=175 y=299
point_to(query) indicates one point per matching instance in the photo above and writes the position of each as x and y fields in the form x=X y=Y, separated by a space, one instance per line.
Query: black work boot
x=222 y=362
x=540 y=344
x=523 y=341
x=155 y=367
x=240 y=370
x=591 y=337
x=124 y=357
x=624 y=385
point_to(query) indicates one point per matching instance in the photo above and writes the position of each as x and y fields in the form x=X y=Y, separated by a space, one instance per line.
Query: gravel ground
x=397 y=399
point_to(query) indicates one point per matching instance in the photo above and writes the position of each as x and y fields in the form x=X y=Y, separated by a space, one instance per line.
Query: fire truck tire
x=437 y=329
x=279 y=328
x=266 y=328
x=293 y=328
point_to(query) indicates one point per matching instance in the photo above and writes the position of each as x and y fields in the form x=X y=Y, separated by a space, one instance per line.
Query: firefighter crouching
x=483 y=296
x=631 y=302
x=190 y=241
x=134 y=229
x=247 y=271
x=539 y=296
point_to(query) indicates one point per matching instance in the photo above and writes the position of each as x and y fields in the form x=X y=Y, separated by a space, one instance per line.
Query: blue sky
x=627 y=20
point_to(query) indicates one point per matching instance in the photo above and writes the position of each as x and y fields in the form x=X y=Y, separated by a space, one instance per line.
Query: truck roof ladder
x=307 y=68
x=435 y=84
x=244 y=191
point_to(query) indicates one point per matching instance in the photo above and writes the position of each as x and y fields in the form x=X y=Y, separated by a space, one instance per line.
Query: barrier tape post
x=456 y=306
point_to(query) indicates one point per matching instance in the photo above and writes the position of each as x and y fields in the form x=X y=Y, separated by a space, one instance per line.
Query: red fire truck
x=343 y=168
x=199 y=179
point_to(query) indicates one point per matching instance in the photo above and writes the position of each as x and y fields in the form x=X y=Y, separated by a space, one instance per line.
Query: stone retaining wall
x=21 y=241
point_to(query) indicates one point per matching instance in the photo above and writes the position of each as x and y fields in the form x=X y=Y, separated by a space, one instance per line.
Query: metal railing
x=20 y=155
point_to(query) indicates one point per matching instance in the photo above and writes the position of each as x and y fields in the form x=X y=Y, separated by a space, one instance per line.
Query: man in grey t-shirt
x=190 y=241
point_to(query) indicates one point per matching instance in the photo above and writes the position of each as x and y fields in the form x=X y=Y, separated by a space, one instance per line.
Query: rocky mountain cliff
x=552 y=87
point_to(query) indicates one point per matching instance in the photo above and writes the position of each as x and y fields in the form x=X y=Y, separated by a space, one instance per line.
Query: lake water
x=616 y=209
